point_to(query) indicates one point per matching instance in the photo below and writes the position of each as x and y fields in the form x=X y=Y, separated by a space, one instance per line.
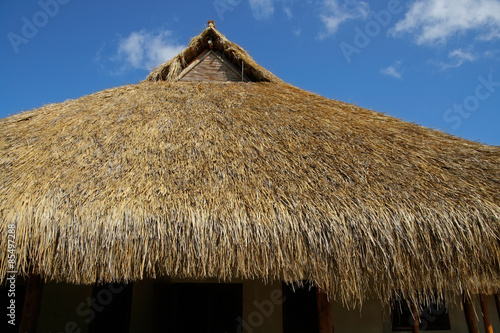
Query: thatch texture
x=247 y=180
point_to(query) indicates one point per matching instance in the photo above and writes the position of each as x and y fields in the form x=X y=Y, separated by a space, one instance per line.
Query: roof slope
x=247 y=180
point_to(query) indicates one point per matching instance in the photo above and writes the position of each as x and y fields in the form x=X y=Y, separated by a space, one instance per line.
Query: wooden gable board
x=210 y=66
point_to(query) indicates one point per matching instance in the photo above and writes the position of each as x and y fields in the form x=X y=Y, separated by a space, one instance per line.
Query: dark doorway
x=198 y=307
x=111 y=305
x=300 y=311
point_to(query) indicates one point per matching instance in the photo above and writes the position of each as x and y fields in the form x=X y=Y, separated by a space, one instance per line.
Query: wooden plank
x=486 y=314
x=416 y=322
x=469 y=315
x=325 y=313
x=32 y=302
x=241 y=74
x=211 y=67
x=193 y=63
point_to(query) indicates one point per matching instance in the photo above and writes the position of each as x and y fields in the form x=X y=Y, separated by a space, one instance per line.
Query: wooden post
x=469 y=315
x=32 y=302
x=486 y=314
x=415 y=327
x=325 y=313
x=497 y=302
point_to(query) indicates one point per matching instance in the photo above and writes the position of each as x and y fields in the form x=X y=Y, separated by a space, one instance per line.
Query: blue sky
x=432 y=62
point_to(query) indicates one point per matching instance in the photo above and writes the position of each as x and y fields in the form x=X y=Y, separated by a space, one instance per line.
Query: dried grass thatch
x=247 y=180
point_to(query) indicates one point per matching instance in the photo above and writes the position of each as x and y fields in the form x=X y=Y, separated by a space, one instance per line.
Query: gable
x=211 y=40
x=211 y=67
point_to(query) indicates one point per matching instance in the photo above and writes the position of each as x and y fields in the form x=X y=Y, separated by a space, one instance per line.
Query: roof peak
x=211 y=39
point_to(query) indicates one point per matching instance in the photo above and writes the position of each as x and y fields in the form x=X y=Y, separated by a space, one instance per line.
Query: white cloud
x=337 y=12
x=145 y=50
x=262 y=9
x=393 y=70
x=435 y=21
x=457 y=58
x=462 y=56
x=494 y=54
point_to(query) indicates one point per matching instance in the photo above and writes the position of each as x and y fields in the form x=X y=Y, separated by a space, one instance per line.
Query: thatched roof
x=257 y=180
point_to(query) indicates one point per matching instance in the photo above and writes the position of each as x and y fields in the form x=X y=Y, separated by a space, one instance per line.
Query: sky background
x=432 y=62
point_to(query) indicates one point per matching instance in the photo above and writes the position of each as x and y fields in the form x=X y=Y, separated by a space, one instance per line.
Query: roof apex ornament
x=211 y=24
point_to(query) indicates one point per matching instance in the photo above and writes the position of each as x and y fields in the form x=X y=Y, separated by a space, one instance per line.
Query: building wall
x=367 y=320
x=262 y=310
x=65 y=308
x=262 y=307
x=370 y=318
x=457 y=317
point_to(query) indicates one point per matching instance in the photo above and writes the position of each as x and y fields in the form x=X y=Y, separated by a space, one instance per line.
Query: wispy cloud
x=265 y=9
x=297 y=31
x=492 y=54
x=288 y=12
x=456 y=58
x=435 y=21
x=393 y=70
x=336 y=12
x=262 y=9
x=145 y=50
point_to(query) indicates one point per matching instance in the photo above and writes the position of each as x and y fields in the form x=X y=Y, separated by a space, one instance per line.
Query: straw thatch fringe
x=170 y=70
x=248 y=180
